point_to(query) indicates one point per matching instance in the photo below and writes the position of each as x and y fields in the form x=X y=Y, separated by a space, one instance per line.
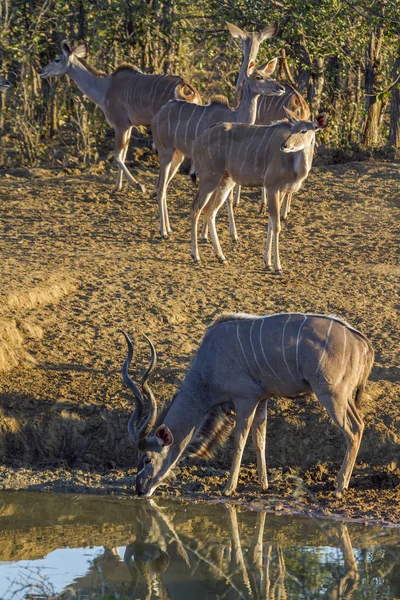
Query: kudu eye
x=57 y=60
x=304 y=131
x=146 y=460
x=258 y=77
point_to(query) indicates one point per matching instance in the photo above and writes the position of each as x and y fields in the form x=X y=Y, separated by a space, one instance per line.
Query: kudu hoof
x=235 y=240
x=141 y=187
x=221 y=260
x=278 y=272
x=204 y=241
x=164 y=236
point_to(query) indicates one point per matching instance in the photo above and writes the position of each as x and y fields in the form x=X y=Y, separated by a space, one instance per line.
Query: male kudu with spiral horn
x=244 y=359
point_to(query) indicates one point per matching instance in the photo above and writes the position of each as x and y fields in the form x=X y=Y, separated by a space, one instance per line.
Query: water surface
x=91 y=547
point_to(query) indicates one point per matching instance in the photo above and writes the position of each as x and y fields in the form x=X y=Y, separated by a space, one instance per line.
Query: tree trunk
x=373 y=80
x=394 y=131
x=318 y=79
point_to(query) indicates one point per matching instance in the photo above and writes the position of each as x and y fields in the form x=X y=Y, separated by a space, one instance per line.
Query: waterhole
x=86 y=548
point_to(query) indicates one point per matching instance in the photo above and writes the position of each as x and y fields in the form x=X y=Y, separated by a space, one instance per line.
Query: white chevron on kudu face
x=178 y=124
x=243 y=360
x=128 y=97
x=277 y=158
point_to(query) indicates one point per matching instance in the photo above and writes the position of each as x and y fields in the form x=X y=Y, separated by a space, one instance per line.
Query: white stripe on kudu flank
x=262 y=350
x=188 y=123
x=344 y=351
x=179 y=121
x=252 y=345
x=283 y=346
x=199 y=121
x=325 y=346
x=246 y=151
x=155 y=92
x=241 y=347
x=297 y=344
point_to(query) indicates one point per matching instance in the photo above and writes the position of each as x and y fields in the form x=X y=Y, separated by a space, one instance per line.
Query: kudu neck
x=246 y=112
x=93 y=86
x=249 y=55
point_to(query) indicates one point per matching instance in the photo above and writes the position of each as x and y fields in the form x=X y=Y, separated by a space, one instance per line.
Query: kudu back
x=244 y=359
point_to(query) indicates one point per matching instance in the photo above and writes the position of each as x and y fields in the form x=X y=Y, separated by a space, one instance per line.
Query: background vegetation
x=343 y=55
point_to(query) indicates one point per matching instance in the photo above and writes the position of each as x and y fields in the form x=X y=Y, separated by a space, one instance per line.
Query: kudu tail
x=192 y=172
x=185 y=91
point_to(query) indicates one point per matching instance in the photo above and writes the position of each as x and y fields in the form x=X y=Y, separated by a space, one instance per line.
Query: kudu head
x=64 y=61
x=154 y=456
x=302 y=132
x=260 y=81
x=251 y=40
x=4 y=84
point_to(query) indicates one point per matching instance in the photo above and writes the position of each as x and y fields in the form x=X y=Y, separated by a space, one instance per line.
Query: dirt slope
x=77 y=264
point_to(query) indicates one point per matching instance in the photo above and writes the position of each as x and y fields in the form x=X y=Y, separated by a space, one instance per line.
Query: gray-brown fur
x=277 y=158
x=269 y=109
x=127 y=97
x=177 y=124
x=244 y=359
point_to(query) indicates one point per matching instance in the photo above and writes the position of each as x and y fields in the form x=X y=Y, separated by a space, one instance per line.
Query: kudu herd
x=243 y=360
x=267 y=141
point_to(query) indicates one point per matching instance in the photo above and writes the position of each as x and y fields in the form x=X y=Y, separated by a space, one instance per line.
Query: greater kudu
x=277 y=158
x=269 y=109
x=244 y=359
x=178 y=123
x=127 y=98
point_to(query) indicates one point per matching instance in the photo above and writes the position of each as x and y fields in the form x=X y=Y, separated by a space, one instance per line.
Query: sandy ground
x=78 y=263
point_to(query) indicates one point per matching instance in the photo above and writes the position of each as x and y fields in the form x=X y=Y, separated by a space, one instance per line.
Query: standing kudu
x=244 y=359
x=270 y=109
x=127 y=98
x=178 y=124
x=277 y=158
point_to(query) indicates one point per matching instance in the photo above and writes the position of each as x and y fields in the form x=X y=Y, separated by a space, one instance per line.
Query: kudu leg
x=177 y=160
x=221 y=194
x=236 y=201
x=263 y=203
x=231 y=218
x=124 y=151
x=346 y=416
x=244 y=418
x=285 y=208
x=274 y=228
x=202 y=197
x=165 y=167
x=259 y=435
x=120 y=143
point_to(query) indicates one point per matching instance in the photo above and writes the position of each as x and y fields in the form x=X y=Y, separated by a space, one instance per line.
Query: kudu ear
x=66 y=48
x=293 y=118
x=251 y=67
x=321 y=121
x=269 y=32
x=163 y=435
x=81 y=51
x=270 y=66
x=236 y=32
